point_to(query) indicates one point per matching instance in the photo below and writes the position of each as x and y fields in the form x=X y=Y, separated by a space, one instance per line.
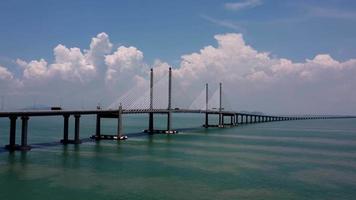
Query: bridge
x=226 y=118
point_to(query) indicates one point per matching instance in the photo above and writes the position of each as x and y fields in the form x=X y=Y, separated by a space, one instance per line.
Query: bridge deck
x=142 y=111
x=109 y=112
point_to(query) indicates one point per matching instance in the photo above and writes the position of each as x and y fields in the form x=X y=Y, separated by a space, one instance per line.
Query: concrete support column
x=12 y=139
x=206 y=120
x=220 y=119
x=98 y=126
x=169 y=120
x=150 y=123
x=76 y=128
x=65 y=128
x=231 y=120
x=119 y=123
x=24 y=129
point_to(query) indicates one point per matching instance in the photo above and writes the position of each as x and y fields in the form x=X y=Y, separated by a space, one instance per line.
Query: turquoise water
x=313 y=159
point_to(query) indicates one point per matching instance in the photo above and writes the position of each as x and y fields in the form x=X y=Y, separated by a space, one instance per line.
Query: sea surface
x=310 y=159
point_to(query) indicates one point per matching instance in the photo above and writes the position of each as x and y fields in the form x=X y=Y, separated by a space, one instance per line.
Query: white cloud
x=242 y=4
x=71 y=64
x=5 y=74
x=8 y=83
x=124 y=59
x=251 y=77
x=99 y=47
x=34 y=69
x=252 y=80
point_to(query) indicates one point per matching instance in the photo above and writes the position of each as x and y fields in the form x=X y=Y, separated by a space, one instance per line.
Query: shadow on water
x=45 y=145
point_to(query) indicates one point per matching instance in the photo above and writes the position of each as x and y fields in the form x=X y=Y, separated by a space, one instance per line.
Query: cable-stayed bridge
x=139 y=101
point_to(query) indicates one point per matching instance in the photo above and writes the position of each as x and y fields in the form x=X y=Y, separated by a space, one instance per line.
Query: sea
x=306 y=159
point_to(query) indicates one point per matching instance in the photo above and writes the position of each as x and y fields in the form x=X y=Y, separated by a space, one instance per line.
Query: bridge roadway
x=30 y=113
x=107 y=112
x=235 y=118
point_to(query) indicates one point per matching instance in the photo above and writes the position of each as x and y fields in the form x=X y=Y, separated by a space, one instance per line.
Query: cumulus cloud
x=251 y=77
x=70 y=64
x=5 y=74
x=234 y=60
x=8 y=83
x=242 y=4
x=123 y=60
x=252 y=80
x=99 y=47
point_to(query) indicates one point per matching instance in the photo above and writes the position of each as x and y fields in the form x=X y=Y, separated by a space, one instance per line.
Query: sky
x=274 y=56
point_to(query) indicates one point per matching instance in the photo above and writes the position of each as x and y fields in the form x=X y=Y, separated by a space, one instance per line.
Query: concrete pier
x=65 y=129
x=12 y=137
x=98 y=126
x=119 y=123
x=76 y=129
x=119 y=135
x=169 y=121
x=24 y=129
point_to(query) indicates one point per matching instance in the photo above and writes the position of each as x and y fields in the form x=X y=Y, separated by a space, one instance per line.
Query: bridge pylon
x=151 y=129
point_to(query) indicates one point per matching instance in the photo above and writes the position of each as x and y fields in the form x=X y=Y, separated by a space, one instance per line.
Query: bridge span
x=225 y=119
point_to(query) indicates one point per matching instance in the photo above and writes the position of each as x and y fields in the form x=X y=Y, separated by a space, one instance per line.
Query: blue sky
x=168 y=29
